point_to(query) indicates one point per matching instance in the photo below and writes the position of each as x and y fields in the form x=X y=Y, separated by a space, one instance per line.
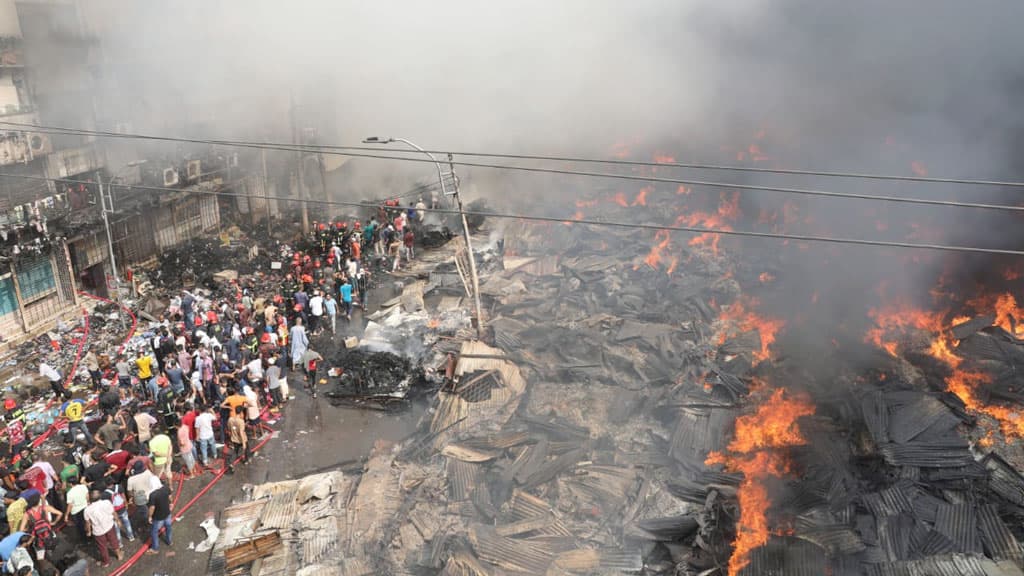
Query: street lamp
x=107 y=207
x=462 y=214
x=440 y=174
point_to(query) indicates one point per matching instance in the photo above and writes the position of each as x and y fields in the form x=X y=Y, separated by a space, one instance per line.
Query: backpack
x=41 y=527
x=117 y=498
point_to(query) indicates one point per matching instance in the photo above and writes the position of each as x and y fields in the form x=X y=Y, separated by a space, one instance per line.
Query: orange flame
x=741 y=319
x=620 y=199
x=662 y=239
x=683 y=190
x=963 y=382
x=664 y=159
x=766 y=277
x=1008 y=316
x=641 y=197
x=754 y=452
x=918 y=169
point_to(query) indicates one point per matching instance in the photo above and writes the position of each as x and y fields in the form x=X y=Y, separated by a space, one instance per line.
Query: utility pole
x=323 y=183
x=301 y=170
x=469 y=248
x=104 y=202
x=266 y=187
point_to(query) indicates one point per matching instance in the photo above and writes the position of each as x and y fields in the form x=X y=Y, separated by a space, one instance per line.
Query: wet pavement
x=311 y=436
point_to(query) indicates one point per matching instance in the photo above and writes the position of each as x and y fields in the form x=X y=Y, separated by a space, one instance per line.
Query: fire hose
x=61 y=421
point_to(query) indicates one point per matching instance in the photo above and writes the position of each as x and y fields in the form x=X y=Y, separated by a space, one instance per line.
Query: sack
x=284 y=387
x=117 y=499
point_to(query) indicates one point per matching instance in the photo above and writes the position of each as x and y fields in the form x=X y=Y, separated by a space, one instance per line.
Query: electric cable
x=592 y=222
x=632 y=177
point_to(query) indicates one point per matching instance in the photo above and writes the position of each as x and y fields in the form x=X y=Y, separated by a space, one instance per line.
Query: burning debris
x=373 y=379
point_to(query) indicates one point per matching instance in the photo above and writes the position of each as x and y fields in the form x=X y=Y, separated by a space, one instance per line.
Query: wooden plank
x=245 y=552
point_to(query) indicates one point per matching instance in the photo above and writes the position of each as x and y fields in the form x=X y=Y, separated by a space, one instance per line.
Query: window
x=8 y=299
x=35 y=278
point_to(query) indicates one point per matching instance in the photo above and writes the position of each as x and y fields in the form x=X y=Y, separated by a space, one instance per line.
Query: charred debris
x=576 y=439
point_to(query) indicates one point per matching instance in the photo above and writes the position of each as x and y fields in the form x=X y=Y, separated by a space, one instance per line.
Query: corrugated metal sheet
x=699 y=431
x=789 y=557
x=949 y=453
x=509 y=553
x=834 y=539
x=462 y=478
x=909 y=421
x=1004 y=479
x=888 y=502
x=999 y=542
x=932 y=543
x=280 y=510
x=959 y=523
x=876 y=416
x=952 y=565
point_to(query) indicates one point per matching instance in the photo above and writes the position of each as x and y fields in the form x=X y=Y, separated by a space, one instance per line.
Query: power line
x=640 y=178
x=617 y=162
x=591 y=222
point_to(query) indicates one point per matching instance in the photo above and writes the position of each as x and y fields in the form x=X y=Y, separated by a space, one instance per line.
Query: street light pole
x=462 y=215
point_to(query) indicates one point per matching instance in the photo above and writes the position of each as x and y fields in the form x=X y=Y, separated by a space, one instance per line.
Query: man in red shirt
x=118 y=460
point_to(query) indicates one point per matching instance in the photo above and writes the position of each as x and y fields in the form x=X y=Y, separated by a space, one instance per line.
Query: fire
x=729 y=207
x=1012 y=273
x=755 y=452
x=683 y=190
x=641 y=197
x=662 y=239
x=963 y=382
x=664 y=159
x=918 y=169
x=1008 y=315
x=577 y=216
x=620 y=199
x=743 y=319
x=766 y=277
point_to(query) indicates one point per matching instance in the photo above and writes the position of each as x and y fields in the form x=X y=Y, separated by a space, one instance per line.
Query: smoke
x=873 y=86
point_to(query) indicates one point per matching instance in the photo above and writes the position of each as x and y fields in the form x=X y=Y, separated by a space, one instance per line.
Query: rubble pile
x=372 y=378
x=196 y=262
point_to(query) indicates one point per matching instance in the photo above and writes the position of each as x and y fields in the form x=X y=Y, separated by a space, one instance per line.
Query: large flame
x=755 y=451
x=965 y=383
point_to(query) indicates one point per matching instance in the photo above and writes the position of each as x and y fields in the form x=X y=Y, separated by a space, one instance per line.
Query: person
x=316 y=312
x=160 y=448
x=16 y=507
x=252 y=407
x=120 y=504
x=124 y=371
x=144 y=365
x=435 y=200
x=188 y=309
x=238 y=438
x=141 y=484
x=186 y=449
x=92 y=364
x=56 y=380
x=309 y=363
x=409 y=239
x=299 y=340
x=38 y=521
x=421 y=210
x=204 y=434
x=144 y=422
x=331 y=305
x=346 y=297
x=108 y=433
x=10 y=542
x=274 y=381
x=74 y=411
x=19 y=559
x=159 y=517
x=78 y=499
x=176 y=376
x=100 y=523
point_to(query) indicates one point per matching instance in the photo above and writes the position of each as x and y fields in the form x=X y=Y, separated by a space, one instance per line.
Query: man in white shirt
x=316 y=310
x=421 y=210
x=100 y=520
x=204 y=435
x=56 y=380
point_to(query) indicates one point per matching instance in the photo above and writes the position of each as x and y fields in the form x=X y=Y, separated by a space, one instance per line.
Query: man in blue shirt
x=332 y=310
x=346 y=298
x=8 y=544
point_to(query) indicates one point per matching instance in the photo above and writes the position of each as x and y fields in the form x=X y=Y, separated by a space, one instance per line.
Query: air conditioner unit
x=193 y=168
x=170 y=177
x=39 y=143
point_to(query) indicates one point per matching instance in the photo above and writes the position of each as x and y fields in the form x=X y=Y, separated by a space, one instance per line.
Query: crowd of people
x=187 y=396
